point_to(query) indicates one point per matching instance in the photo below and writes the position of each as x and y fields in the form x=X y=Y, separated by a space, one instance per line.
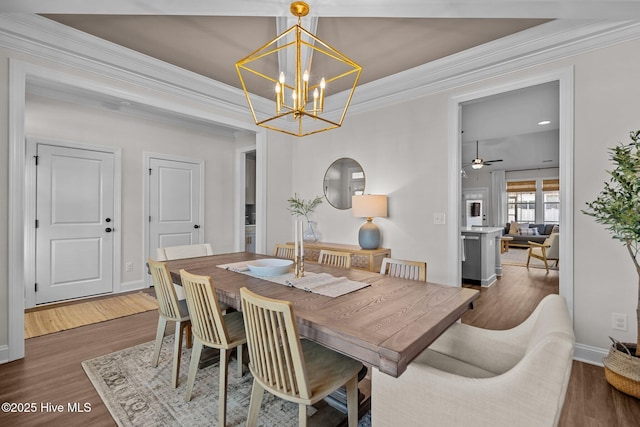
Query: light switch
x=439 y=218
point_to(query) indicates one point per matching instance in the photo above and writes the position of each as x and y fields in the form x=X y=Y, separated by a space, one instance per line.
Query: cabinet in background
x=362 y=259
x=250 y=182
x=481 y=255
x=250 y=238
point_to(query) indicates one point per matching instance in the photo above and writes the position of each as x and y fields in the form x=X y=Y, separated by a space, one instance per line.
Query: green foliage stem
x=301 y=207
x=617 y=206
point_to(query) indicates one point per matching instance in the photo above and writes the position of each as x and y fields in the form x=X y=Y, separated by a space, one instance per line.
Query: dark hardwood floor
x=51 y=371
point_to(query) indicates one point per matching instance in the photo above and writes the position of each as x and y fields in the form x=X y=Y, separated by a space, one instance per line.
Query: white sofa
x=478 y=377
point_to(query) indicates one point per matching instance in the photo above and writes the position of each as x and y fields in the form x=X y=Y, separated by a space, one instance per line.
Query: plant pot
x=622 y=368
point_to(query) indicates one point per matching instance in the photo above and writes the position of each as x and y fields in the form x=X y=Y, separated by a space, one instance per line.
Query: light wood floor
x=51 y=371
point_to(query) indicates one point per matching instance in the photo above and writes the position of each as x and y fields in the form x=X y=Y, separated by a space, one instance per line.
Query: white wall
x=403 y=150
x=66 y=121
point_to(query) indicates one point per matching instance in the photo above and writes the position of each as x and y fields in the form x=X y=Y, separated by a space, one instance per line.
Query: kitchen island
x=481 y=263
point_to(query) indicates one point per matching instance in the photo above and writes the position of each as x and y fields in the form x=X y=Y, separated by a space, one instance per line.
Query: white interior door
x=74 y=234
x=175 y=201
x=469 y=197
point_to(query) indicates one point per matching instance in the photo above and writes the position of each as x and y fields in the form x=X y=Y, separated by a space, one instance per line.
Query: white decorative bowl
x=270 y=267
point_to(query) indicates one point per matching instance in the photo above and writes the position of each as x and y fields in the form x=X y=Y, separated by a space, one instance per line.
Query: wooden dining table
x=385 y=325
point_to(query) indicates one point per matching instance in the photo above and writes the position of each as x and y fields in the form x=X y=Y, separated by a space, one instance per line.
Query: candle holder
x=298 y=267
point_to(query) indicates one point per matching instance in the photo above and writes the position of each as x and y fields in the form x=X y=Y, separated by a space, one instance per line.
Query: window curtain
x=498 y=198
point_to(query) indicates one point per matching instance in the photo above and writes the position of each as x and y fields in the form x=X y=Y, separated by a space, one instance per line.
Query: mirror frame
x=341 y=191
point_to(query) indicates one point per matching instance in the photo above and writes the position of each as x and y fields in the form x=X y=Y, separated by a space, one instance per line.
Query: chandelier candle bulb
x=278 y=98
x=322 y=86
x=305 y=80
x=315 y=101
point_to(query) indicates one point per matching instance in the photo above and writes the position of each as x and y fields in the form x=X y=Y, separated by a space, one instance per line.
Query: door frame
x=484 y=191
x=21 y=74
x=565 y=77
x=30 y=209
x=147 y=156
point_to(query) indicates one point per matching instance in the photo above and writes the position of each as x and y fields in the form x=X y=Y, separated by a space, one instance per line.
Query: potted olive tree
x=618 y=208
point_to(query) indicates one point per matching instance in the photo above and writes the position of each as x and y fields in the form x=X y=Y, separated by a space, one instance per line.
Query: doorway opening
x=562 y=80
x=250 y=201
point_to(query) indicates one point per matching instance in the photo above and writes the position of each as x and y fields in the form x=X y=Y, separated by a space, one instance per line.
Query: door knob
x=196 y=226
x=108 y=230
x=108 y=220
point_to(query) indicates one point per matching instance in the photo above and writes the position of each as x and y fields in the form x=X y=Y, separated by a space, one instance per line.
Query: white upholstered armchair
x=478 y=377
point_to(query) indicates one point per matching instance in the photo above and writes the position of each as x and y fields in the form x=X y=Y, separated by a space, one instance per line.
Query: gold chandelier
x=286 y=94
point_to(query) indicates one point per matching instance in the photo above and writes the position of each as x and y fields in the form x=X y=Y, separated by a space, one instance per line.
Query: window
x=521 y=207
x=551 y=201
x=521 y=201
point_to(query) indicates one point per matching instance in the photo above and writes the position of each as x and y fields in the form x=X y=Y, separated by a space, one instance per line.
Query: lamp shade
x=369 y=206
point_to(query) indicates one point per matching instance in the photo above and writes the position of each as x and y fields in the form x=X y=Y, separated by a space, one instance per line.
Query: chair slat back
x=275 y=352
x=168 y=305
x=282 y=250
x=184 y=251
x=206 y=317
x=335 y=258
x=413 y=270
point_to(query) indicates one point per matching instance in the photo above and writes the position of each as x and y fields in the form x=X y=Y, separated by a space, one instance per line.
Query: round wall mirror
x=343 y=179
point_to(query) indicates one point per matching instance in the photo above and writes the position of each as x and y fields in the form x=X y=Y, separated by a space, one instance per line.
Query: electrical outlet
x=439 y=218
x=619 y=322
x=129 y=266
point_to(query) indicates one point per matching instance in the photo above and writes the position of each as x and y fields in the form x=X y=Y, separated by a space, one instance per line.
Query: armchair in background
x=547 y=251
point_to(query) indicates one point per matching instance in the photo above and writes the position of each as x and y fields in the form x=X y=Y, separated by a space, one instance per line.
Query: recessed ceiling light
x=544 y=122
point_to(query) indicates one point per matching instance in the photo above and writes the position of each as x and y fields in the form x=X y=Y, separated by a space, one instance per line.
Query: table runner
x=318 y=283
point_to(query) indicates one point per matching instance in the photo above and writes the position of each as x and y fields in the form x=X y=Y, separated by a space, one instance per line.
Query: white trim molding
x=560 y=38
x=566 y=111
x=588 y=354
x=21 y=75
x=132 y=285
x=4 y=354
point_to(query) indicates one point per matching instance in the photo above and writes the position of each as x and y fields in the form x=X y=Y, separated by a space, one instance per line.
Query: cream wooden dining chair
x=282 y=250
x=183 y=251
x=171 y=310
x=294 y=369
x=212 y=329
x=186 y=251
x=414 y=270
x=335 y=258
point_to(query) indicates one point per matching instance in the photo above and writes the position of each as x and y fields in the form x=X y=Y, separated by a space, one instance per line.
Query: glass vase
x=311 y=233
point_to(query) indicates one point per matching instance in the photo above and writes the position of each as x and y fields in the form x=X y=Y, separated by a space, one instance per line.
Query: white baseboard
x=588 y=354
x=132 y=286
x=4 y=354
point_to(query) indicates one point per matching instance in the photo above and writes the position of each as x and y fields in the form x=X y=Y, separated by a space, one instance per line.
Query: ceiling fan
x=478 y=163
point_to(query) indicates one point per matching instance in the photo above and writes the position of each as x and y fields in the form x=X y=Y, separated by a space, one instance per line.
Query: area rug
x=518 y=257
x=137 y=394
x=69 y=316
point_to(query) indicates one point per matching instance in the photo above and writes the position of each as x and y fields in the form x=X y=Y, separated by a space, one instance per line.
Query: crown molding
x=553 y=9
x=554 y=40
x=57 y=43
